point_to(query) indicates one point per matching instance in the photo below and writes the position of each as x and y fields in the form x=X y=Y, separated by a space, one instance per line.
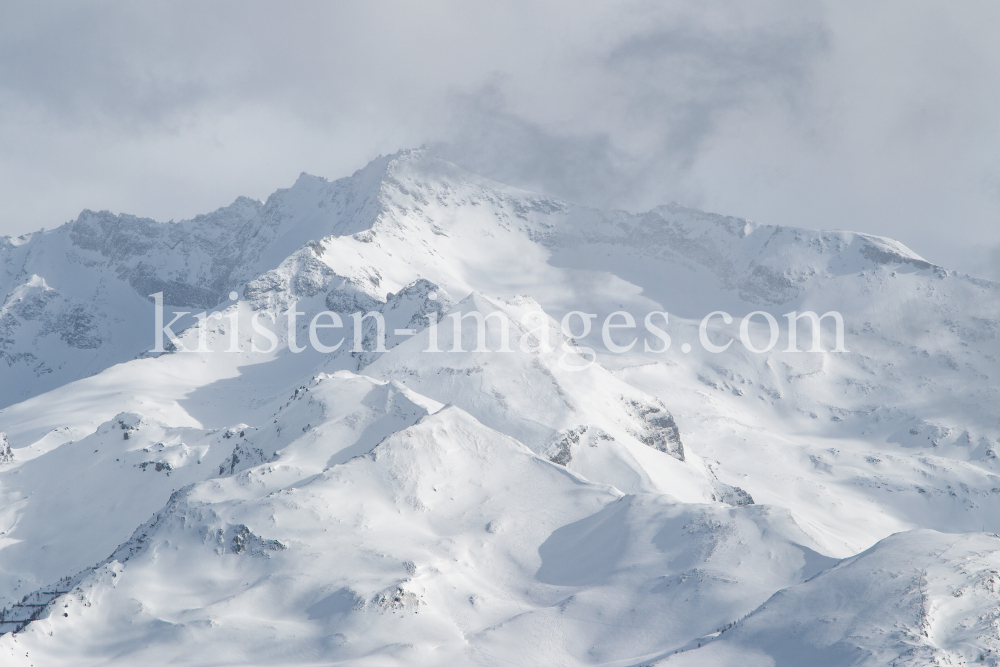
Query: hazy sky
x=874 y=117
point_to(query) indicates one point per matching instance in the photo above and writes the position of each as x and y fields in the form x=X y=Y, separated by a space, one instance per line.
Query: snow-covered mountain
x=398 y=506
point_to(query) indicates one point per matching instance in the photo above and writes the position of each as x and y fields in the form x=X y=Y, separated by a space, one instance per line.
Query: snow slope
x=444 y=543
x=916 y=598
x=479 y=506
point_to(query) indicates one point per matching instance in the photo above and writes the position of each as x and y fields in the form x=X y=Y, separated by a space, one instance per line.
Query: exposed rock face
x=733 y=495
x=660 y=432
x=6 y=455
x=245 y=456
x=562 y=447
x=194 y=263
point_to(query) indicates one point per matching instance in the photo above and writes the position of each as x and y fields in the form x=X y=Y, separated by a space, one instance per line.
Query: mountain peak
x=488 y=419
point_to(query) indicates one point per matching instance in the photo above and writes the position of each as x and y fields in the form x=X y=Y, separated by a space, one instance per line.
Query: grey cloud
x=984 y=263
x=684 y=75
x=783 y=111
x=661 y=90
x=81 y=65
x=489 y=139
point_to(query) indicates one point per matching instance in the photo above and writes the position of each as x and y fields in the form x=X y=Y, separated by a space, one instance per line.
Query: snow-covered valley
x=671 y=506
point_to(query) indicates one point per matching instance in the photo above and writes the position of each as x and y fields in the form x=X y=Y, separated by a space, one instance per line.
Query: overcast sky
x=874 y=117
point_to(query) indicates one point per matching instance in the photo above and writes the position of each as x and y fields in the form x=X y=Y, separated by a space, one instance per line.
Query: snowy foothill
x=549 y=434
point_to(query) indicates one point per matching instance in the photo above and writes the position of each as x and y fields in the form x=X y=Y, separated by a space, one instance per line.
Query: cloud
x=983 y=262
x=876 y=118
x=489 y=139
x=679 y=77
x=653 y=95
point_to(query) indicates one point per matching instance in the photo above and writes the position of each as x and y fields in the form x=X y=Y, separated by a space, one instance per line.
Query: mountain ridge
x=672 y=496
